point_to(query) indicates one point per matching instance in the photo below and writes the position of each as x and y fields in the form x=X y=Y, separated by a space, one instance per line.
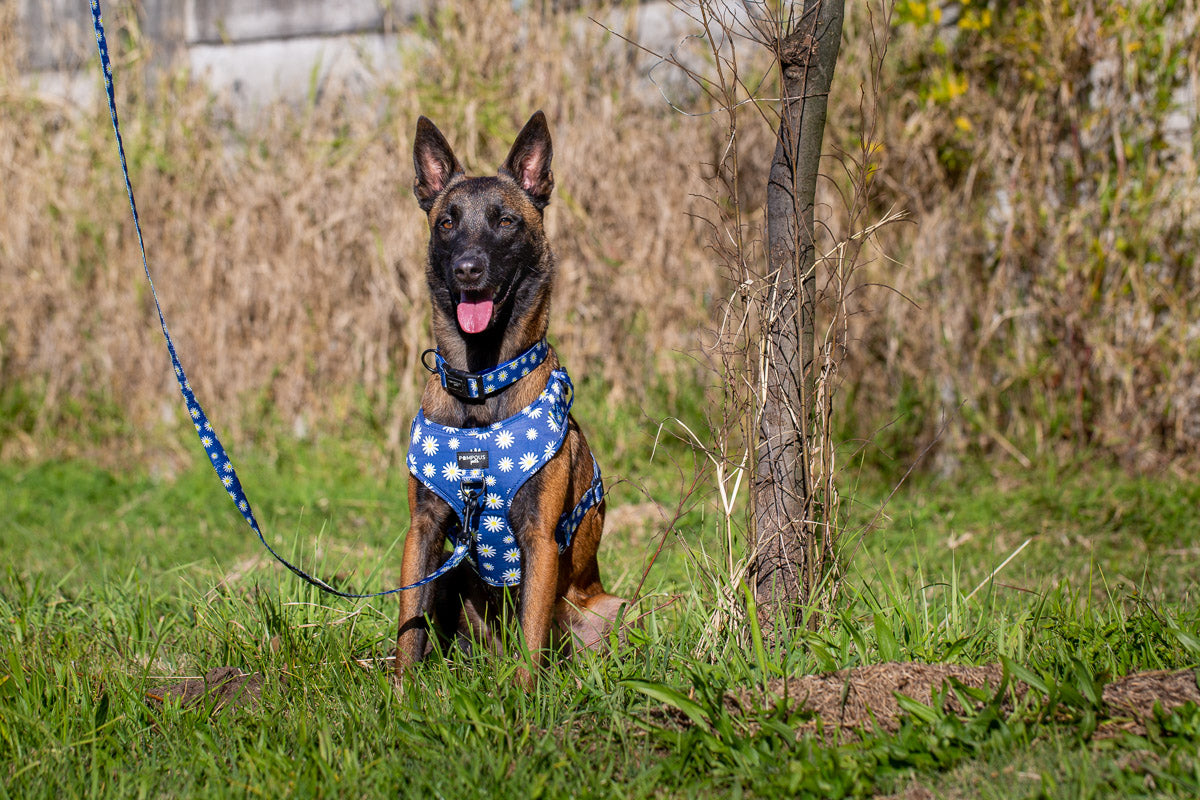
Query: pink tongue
x=474 y=314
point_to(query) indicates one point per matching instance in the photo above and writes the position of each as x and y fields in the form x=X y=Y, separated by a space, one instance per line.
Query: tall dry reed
x=289 y=253
x=1046 y=301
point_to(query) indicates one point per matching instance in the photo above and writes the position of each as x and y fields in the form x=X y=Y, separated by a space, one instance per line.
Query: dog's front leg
x=538 y=587
x=422 y=551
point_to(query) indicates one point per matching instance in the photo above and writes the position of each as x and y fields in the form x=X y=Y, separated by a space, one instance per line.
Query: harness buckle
x=472 y=491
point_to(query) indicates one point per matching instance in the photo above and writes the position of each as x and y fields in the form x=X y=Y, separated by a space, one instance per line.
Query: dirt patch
x=1130 y=701
x=852 y=701
x=859 y=699
x=1135 y=695
x=218 y=689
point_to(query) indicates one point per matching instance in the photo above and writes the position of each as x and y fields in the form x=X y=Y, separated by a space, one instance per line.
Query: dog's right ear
x=434 y=163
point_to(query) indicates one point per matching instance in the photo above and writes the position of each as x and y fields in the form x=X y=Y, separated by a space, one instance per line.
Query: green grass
x=112 y=588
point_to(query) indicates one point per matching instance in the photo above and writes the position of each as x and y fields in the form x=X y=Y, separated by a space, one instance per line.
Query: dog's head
x=487 y=248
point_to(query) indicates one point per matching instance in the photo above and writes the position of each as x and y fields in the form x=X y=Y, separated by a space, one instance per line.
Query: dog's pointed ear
x=528 y=162
x=434 y=163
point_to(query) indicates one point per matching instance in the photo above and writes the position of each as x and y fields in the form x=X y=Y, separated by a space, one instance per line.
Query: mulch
x=843 y=705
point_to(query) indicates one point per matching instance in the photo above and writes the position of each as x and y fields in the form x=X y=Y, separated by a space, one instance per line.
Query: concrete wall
x=255 y=51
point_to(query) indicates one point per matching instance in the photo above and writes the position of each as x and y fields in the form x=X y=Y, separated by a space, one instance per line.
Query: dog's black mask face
x=487 y=247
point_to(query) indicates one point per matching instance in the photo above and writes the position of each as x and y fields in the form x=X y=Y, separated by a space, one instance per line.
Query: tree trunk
x=782 y=572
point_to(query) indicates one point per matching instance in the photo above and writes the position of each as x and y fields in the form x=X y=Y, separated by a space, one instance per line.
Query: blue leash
x=208 y=437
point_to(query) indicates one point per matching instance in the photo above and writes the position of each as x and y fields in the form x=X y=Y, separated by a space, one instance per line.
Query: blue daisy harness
x=478 y=471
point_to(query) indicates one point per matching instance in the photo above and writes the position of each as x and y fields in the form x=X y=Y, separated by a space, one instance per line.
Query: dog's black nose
x=468 y=269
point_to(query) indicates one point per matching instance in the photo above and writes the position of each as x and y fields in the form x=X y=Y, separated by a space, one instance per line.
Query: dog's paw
x=524 y=678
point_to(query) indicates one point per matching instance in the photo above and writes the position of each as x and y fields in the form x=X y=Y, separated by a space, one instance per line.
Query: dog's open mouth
x=475 y=310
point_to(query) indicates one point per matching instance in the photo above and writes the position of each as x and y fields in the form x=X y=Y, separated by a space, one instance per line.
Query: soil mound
x=219 y=689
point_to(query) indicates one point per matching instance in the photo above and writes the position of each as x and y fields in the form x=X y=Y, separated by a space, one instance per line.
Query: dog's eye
x=507 y=222
x=446 y=224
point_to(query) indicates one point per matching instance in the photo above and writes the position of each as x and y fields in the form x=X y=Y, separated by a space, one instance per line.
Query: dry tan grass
x=289 y=256
x=1051 y=273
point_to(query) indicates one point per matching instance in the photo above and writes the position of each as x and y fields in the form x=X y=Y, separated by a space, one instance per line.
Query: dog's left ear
x=528 y=162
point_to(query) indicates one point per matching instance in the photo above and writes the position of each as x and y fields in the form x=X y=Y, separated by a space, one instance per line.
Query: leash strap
x=208 y=437
x=478 y=385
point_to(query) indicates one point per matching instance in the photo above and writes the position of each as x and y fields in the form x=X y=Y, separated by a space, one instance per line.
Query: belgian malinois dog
x=491 y=273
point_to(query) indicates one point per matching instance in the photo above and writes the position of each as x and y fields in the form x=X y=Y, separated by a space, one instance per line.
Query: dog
x=491 y=273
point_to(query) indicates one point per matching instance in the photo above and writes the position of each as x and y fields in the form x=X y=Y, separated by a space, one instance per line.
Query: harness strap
x=568 y=523
x=479 y=385
x=208 y=437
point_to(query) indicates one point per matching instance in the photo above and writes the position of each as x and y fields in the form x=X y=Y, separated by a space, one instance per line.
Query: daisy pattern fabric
x=503 y=456
x=475 y=385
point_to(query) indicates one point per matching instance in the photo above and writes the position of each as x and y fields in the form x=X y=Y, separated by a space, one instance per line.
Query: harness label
x=472 y=459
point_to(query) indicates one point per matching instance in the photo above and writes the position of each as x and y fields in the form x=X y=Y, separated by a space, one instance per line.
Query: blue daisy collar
x=478 y=385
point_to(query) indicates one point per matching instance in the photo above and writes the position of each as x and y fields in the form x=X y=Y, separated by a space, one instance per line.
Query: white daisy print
x=490 y=480
x=493 y=524
x=503 y=375
x=550 y=450
x=449 y=428
x=486 y=550
x=496 y=425
x=512 y=576
x=429 y=446
x=482 y=433
x=208 y=426
x=453 y=443
x=195 y=412
x=489 y=565
x=531 y=434
x=452 y=472
x=512 y=554
x=206 y=441
x=429 y=470
x=508 y=539
x=493 y=501
x=243 y=505
x=227 y=481
x=227 y=466
x=552 y=424
x=528 y=461
x=505 y=464
x=504 y=439
x=416 y=433
x=535 y=412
